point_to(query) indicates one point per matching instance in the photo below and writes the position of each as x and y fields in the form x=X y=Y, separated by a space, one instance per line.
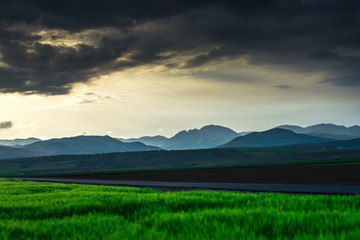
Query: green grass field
x=30 y=210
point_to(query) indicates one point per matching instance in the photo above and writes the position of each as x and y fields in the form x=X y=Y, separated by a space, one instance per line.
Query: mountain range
x=73 y=145
x=210 y=136
x=273 y=138
x=326 y=131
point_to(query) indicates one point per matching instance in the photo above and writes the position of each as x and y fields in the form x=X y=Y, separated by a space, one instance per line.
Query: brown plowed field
x=348 y=174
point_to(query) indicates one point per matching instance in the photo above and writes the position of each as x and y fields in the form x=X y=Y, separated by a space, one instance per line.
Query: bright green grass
x=30 y=210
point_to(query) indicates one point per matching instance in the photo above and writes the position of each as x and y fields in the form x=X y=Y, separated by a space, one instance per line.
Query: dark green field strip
x=191 y=159
x=109 y=172
x=31 y=210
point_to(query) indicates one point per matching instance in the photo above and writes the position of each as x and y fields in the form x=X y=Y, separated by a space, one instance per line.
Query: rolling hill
x=151 y=160
x=272 y=138
x=210 y=136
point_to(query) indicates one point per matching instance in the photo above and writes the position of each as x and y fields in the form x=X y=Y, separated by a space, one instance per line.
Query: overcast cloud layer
x=48 y=46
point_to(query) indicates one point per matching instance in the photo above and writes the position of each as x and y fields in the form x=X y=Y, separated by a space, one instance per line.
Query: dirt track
x=310 y=174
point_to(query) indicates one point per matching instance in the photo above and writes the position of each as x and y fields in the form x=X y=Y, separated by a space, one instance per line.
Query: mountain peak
x=18 y=141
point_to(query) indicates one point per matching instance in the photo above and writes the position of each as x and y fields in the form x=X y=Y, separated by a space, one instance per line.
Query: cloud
x=202 y=59
x=95 y=98
x=46 y=47
x=345 y=80
x=225 y=76
x=282 y=86
x=6 y=125
x=324 y=54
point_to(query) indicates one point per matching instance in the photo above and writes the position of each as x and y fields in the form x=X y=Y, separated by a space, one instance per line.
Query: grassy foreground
x=30 y=210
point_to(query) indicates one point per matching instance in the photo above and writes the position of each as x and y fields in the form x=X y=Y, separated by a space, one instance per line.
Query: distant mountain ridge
x=85 y=145
x=73 y=145
x=18 y=142
x=209 y=136
x=273 y=138
x=148 y=140
x=326 y=130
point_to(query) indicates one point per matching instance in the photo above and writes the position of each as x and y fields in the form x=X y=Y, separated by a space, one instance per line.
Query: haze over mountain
x=73 y=145
x=207 y=137
x=348 y=144
x=12 y=152
x=214 y=135
x=273 y=138
x=18 y=141
x=326 y=131
x=85 y=145
x=148 y=140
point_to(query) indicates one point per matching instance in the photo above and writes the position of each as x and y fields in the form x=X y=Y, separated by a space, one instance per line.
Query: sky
x=136 y=68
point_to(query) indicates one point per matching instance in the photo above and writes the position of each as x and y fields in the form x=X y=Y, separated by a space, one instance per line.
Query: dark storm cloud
x=205 y=58
x=220 y=76
x=325 y=54
x=6 y=125
x=84 y=14
x=310 y=36
x=345 y=80
x=283 y=86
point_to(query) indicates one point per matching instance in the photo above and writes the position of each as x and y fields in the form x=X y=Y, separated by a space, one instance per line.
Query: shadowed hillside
x=272 y=138
x=216 y=157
